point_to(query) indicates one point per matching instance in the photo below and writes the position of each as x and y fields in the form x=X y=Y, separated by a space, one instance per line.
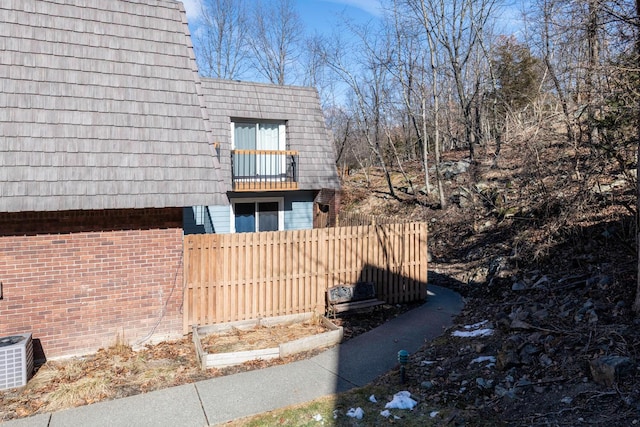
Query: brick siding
x=77 y=280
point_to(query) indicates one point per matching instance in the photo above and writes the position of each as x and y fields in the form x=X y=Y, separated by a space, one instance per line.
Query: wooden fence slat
x=202 y=297
x=186 y=322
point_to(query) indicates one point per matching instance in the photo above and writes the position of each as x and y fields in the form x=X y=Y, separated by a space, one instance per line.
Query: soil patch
x=259 y=337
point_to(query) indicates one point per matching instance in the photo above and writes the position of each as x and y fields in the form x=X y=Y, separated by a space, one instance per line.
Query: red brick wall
x=76 y=280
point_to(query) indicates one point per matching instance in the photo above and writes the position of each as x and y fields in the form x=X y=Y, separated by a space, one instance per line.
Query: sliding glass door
x=249 y=217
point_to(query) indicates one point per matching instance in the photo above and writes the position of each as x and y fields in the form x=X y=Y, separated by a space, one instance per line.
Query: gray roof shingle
x=298 y=106
x=100 y=108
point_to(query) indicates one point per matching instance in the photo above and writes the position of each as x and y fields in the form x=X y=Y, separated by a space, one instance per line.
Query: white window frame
x=256 y=200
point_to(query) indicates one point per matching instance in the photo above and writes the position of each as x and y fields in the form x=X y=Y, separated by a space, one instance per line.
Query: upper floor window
x=259 y=158
x=258 y=135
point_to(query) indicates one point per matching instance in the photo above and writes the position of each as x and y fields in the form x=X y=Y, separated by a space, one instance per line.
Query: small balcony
x=264 y=170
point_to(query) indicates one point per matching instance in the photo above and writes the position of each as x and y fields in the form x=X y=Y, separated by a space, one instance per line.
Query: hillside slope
x=542 y=247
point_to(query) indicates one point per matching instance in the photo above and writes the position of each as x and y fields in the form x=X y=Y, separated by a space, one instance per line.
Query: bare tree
x=407 y=67
x=560 y=46
x=340 y=124
x=275 y=39
x=433 y=61
x=417 y=86
x=636 y=305
x=591 y=71
x=366 y=77
x=221 y=47
x=456 y=26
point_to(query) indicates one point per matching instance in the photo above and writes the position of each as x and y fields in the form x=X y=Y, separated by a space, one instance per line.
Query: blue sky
x=325 y=16
x=322 y=16
x=318 y=15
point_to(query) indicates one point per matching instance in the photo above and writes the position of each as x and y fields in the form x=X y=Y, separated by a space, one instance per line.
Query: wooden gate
x=230 y=277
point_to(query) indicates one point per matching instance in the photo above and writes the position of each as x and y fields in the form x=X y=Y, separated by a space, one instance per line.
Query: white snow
x=472 y=334
x=473 y=331
x=355 y=413
x=483 y=359
x=476 y=325
x=372 y=399
x=434 y=414
x=427 y=362
x=401 y=400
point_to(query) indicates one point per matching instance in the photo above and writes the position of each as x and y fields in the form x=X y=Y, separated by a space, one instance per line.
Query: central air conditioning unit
x=16 y=360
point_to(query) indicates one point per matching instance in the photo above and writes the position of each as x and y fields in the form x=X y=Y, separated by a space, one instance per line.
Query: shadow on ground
x=372 y=358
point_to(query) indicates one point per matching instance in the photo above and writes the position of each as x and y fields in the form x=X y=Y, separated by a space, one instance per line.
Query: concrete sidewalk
x=352 y=364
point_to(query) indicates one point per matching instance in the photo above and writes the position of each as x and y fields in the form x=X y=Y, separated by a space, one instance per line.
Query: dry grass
x=115 y=372
x=119 y=371
x=81 y=392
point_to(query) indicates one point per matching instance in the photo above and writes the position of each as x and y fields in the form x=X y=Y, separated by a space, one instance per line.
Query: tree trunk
x=636 y=305
x=592 y=87
x=425 y=146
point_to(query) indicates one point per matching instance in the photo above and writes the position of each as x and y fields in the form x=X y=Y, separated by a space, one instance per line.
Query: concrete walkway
x=352 y=364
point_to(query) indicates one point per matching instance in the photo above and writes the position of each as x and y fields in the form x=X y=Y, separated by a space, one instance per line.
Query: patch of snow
x=427 y=362
x=434 y=414
x=372 y=399
x=483 y=359
x=355 y=413
x=385 y=413
x=473 y=334
x=401 y=400
x=476 y=325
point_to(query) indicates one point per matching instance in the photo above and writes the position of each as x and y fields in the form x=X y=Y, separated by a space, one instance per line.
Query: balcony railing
x=264 y=170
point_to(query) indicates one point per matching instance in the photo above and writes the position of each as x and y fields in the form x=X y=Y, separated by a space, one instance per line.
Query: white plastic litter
x=401 y=400
x=355 y=413
x=317 y=417
x=373 y=399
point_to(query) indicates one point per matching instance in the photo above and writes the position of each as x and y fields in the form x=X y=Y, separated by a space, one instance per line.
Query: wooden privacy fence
x=355 y=219
x=231 y=277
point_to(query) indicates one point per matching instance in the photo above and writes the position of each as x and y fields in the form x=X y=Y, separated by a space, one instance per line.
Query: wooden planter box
x=220 y=360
